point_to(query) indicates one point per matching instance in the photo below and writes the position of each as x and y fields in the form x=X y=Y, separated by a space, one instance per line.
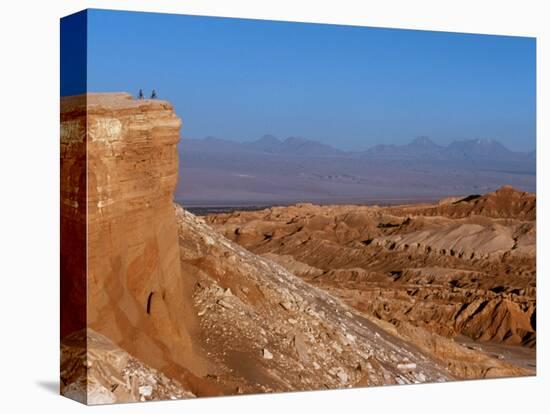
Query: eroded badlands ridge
x=176 y=309
x=461 y=267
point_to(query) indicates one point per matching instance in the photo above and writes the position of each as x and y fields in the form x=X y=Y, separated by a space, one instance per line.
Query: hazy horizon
x=346 y=86
x=441 y=143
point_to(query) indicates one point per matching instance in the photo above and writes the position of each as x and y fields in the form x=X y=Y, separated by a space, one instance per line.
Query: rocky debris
x=95 y=371
x=300 y=346
x=281 y=333
x=294 y=266
x=407 y=366
x=224 y=303
x=340 y=373
x=286 y=305
x=145 y=391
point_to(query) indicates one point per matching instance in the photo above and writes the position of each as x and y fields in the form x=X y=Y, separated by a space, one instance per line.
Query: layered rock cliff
x=73 y=214
x=136 y=294
x=119 y=171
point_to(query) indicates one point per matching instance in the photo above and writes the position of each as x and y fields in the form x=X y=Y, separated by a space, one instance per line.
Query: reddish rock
x=134 y=293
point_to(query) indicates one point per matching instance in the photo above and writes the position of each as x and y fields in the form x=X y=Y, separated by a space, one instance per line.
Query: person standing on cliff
x=154 y=94
x=140 y=94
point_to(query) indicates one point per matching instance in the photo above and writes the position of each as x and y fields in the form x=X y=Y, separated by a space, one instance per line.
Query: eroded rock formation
x=136 y=294
x=466 y=272
x=120 y=209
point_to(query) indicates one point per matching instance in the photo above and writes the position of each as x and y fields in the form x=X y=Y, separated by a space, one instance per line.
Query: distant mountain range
x=421 y=148
x=425 y=148
x=293 y=145
x=270 y=170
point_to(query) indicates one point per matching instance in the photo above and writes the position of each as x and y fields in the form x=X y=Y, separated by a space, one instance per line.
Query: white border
x=29 y=204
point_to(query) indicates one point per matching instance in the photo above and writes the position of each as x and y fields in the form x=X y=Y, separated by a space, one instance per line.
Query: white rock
x=267 y=354
x=225 y=304
x=145 y=390
x=286 y=305
x=343 y=377
x=100 y=395
x=337 y=347
x=407 y=366
x=340 y=373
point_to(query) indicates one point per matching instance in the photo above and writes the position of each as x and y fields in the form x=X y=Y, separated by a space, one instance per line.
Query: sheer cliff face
x=135 y=293
x=73 y=214
x=135 y=288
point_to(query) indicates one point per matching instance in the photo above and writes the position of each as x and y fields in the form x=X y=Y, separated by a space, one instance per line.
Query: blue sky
x=351 y=87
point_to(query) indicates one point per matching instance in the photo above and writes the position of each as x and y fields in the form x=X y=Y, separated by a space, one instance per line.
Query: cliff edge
x=119 y=171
